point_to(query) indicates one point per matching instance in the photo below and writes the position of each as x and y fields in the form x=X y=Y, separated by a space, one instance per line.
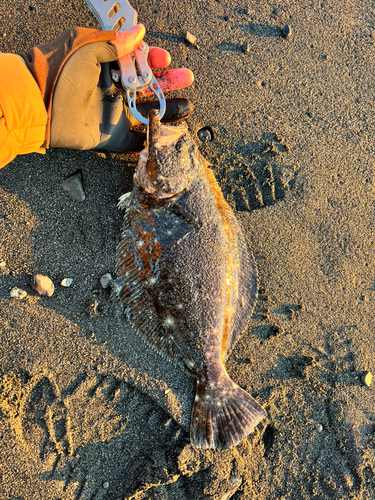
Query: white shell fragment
x=367 y=379
x=191 y=39
x=73 y=186
x=66 y=282
x=105 y=280
x=43 y=285
x=17 y=293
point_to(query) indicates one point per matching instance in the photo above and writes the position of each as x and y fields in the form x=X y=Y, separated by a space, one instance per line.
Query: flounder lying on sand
x=187 y=279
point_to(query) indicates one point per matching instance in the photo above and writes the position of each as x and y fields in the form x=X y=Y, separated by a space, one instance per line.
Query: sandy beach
x=88 y=410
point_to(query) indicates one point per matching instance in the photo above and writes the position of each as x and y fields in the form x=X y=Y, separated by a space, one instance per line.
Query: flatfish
x=187 y=279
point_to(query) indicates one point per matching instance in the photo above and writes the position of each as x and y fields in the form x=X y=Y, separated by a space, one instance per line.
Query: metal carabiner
x=136 y=74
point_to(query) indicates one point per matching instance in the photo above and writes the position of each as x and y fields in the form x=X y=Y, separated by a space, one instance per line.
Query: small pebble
x=43 y=285
x=105 y=280
x=67 y=282
x=106 y=485
x=286 y=31
x=245 y=47
x=319 y=427
x=367 y=379
x=235 y=481
x=247 y=11
x=73 y=186
x=205 y=134
x=191 y=39
x=3 y=265
x=17 y=293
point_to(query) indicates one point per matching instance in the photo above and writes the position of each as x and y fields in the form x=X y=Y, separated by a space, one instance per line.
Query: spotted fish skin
x=187 y=279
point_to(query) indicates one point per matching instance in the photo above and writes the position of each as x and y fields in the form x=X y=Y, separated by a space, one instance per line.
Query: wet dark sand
x=87 y=410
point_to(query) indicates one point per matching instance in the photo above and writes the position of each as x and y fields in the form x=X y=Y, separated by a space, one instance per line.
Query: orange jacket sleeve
x=23 y=116
x=26 y=90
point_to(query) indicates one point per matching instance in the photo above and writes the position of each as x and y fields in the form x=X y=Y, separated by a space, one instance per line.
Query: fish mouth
x=159 y=137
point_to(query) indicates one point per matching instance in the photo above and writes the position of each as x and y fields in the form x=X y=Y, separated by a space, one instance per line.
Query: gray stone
x=66 y=282
x=17 y=293
x=105 y=280
x=245 y=47
x=367 y=379
x=286 y=31
x=73 y=186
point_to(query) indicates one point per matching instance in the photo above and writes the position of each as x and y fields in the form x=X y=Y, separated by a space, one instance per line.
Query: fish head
x=170 y=160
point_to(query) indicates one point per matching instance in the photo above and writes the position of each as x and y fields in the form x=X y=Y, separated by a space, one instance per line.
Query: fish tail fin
x=223 y=415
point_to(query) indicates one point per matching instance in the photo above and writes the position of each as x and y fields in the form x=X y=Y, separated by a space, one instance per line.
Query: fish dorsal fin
x=247 y=291
x=138 y=306
x=247 y=271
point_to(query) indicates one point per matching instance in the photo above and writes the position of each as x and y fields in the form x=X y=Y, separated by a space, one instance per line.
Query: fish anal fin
x=223 y=415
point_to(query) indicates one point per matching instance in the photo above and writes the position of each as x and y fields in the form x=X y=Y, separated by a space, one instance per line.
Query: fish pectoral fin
x=223 y=415
x=124 y=201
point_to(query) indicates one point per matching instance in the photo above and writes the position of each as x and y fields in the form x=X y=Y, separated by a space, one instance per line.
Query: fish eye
x=178 y=146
